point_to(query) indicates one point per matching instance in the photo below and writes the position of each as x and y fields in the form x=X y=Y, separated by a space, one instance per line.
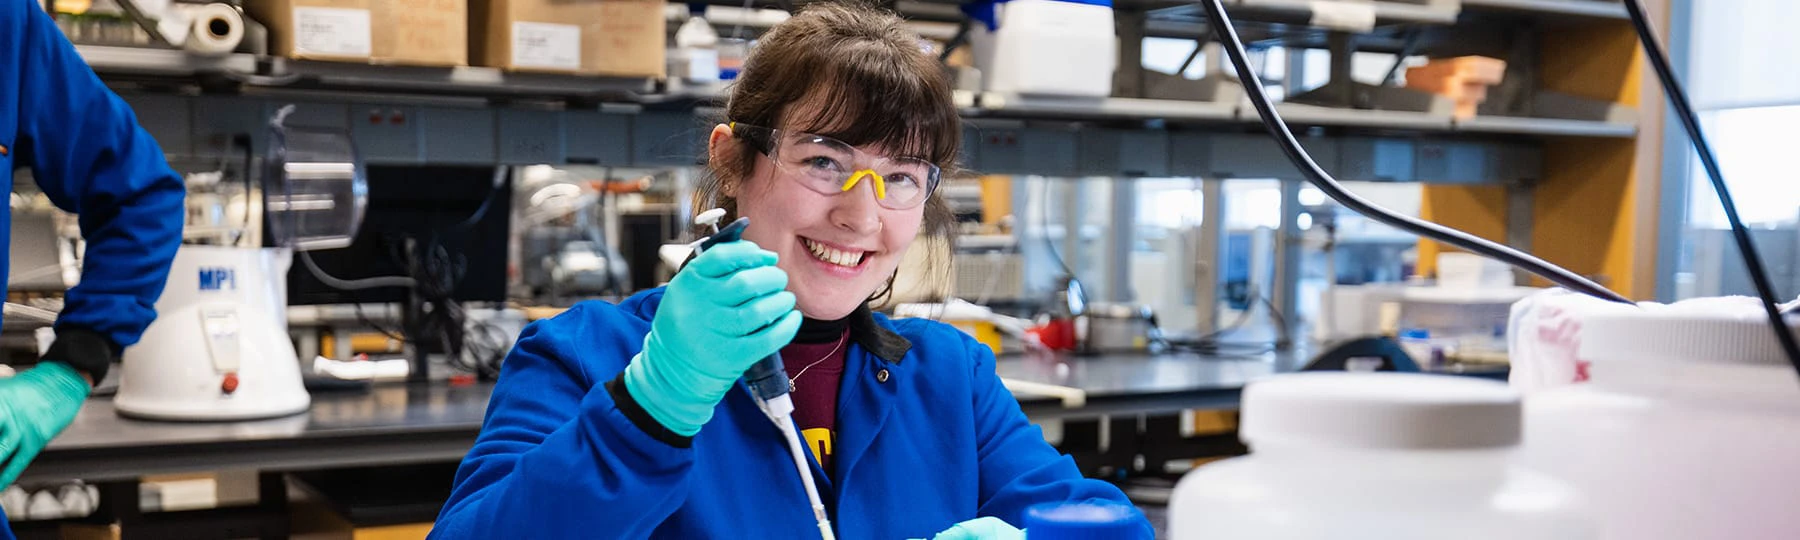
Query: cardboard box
x=411 y=32
x=591 y=37
x=1464 y=79
x=311 y=520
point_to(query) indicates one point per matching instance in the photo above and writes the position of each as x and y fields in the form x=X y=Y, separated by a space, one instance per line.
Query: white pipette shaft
x=780 y=410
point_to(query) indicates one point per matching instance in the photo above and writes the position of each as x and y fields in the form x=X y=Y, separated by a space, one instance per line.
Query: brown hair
x=873 y=83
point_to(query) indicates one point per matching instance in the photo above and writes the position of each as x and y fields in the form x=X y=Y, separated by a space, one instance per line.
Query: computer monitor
x=435 y=203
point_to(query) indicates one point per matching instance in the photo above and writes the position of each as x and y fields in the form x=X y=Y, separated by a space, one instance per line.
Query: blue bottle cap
x=1082 y=521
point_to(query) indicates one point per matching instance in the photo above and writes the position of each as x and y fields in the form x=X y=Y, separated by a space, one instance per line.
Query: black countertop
x=398 y=424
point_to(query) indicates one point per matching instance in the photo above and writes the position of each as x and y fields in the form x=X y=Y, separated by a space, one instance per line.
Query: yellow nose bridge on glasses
x=880 y=184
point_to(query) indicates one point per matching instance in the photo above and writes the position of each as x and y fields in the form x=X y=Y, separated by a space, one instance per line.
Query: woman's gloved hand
x=35 y=406
x=986 y=528
x=725 y=310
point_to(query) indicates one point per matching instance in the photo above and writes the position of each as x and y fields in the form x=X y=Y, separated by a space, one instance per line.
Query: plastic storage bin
x=1689 y=426
x=1047 y=47
x=1390 y=456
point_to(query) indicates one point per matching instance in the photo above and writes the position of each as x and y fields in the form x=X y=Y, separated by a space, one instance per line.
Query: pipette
x=768 y=379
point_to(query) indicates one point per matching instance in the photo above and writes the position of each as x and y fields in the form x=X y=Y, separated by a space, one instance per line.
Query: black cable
x=273 y=172
x=351 y=284
x=1684 y=110
x=1406 y=50
x=1074 y=282
x=487 y=349
x=481 y=211
x=956 y=41
x=1212 y=342
x=1236 y=324
x=1282 y=334
x=243 y=139
x=364 y=318
x=1044 y=220
x=1199 y=48
x=1253 y=88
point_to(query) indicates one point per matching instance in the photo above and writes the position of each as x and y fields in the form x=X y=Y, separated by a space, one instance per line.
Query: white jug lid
x=1715 y=331
x=1395 y=411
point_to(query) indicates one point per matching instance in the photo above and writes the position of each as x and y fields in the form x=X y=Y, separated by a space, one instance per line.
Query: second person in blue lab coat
x=628 y=420
x=87 y=153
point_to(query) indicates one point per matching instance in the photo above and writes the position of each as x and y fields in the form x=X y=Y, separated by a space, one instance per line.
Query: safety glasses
x=830 y=166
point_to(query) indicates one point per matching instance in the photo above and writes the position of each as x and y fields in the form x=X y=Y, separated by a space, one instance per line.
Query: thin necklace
x=794 y=381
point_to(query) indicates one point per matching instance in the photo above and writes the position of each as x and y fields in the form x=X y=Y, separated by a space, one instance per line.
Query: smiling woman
x=628 y=420
x=856 y=78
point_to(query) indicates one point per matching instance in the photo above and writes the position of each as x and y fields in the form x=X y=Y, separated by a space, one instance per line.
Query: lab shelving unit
x=1601 y=9
x=1568 y=126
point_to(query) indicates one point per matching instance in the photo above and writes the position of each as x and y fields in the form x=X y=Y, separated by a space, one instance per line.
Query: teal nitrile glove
x=35 y=406
x=725 y=310
x=987 y=528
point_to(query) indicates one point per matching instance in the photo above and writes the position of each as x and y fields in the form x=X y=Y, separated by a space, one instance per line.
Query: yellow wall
x=1587 y=209
x=1477 y=210
x=1594 y=211
x=996 y=198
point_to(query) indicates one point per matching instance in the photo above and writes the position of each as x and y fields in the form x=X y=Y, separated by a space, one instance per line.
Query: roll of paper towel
x=217 y=29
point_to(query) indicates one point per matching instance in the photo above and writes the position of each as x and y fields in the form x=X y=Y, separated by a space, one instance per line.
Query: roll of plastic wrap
x=218 y=29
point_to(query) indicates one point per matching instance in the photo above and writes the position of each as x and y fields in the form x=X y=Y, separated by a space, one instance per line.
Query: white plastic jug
x=1689 y=425
x=1048 y=48
x=1390 y=456
x=696 y=54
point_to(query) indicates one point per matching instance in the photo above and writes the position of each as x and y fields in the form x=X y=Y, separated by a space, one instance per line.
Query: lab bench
x=402 y=425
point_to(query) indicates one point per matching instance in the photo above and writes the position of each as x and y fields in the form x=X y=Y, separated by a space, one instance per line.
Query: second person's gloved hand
x=986 y=528
x=725 y=310
x=35 y=406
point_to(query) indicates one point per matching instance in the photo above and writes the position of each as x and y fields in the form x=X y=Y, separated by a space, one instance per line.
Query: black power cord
x=1684 y=110
x=1253 y=88
x=1069 y=229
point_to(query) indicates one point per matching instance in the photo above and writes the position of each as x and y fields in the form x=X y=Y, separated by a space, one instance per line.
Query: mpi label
x=218 y=279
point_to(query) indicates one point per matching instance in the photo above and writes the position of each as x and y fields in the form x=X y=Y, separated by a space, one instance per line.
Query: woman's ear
x=719 y=144
x=721 y=148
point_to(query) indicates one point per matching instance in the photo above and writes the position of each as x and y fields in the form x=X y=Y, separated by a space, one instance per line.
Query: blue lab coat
x=87 y=153
x=926 y=437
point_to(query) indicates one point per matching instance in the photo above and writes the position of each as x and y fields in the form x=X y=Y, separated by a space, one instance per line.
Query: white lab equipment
x=1459 y=270
x=1467 y=323
x=1048 y=48
x=695 y=58
x=1349 y=312
x=1394 y=456
x=219 y=348
x=1688 y=426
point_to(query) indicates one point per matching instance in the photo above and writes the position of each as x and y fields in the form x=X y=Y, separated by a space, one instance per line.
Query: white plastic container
x=219 y=348
x=1048 y=47
x=1391 y=456
x=695 y=58
x=1689 y=426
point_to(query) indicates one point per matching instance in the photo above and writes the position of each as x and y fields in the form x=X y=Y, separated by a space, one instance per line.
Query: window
x=1748 y=103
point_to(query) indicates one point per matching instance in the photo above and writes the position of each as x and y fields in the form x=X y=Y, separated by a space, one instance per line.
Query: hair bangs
x=860 y=98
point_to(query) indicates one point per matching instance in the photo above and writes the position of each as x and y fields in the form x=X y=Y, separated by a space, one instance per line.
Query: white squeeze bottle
x=697 y=49
x=1390 y=456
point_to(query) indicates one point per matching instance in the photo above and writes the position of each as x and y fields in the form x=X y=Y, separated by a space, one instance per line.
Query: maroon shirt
x=816 y=368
